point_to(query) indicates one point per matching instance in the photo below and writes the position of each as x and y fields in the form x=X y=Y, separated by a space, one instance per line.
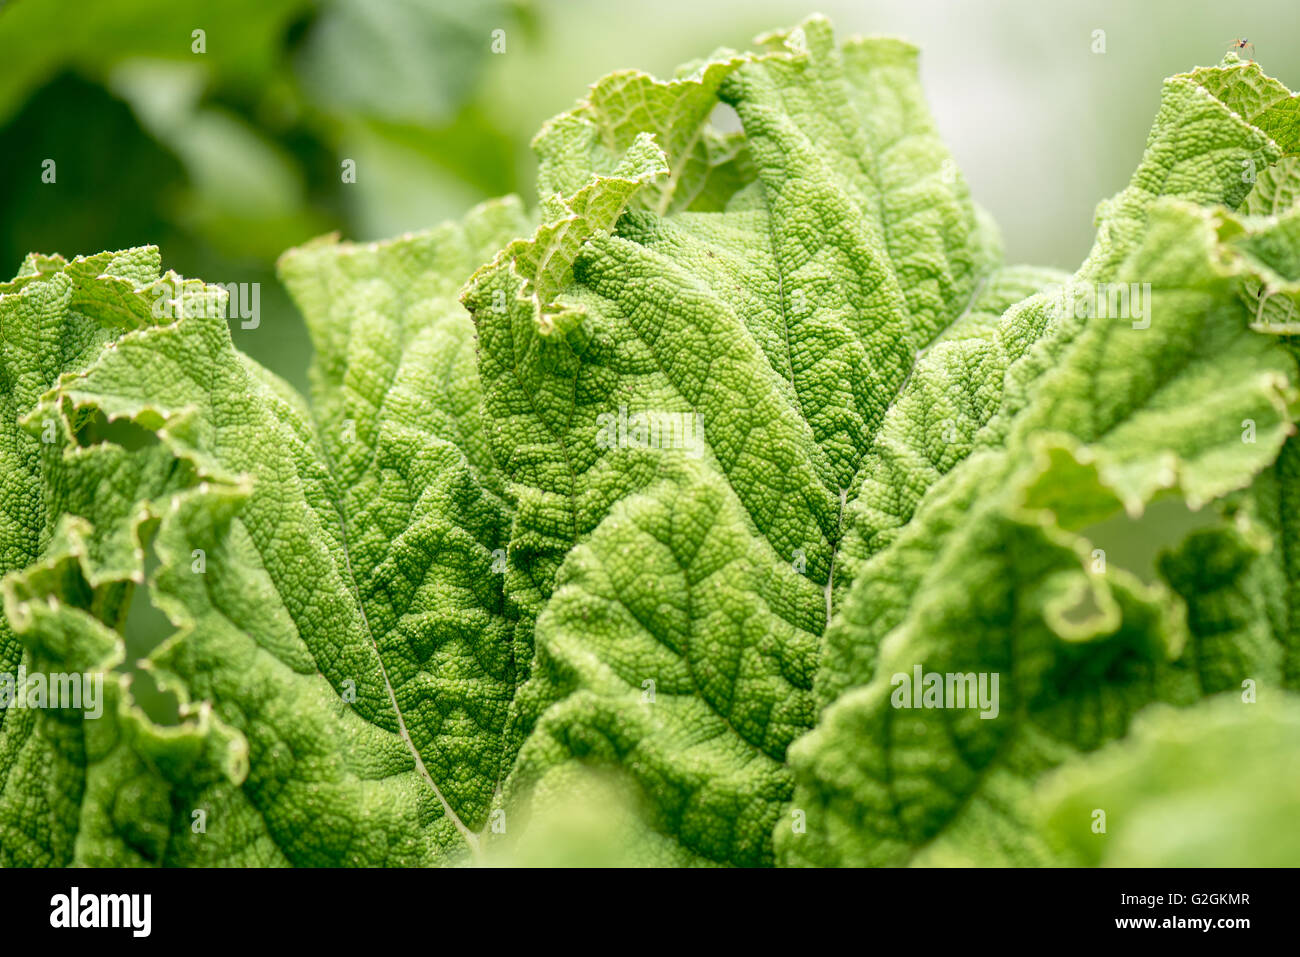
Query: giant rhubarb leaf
x=841 y=333
x=328 y=568
x=755 y=424
x=687 y=397
x=990 y=558
x=1242 y=760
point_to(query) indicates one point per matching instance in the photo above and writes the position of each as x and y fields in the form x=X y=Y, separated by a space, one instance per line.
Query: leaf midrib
x=471 y=840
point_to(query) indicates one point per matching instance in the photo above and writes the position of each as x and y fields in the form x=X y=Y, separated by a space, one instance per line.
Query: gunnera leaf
x=876 y=403
x=327 y=567
x=624 y=530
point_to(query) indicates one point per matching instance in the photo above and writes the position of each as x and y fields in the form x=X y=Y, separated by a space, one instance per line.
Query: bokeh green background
x=225 y=158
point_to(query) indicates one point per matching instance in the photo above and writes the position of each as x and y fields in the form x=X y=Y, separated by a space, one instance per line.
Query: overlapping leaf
x=328 y=568
x=776 y=331
x=1155 y=787
x=1178 y=397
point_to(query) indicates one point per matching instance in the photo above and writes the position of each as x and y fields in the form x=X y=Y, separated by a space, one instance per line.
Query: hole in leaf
x=1134 y=544
x=144 y=628
x=725 y=119
x=1083 y=610
x=130 y=434
x=161 y=707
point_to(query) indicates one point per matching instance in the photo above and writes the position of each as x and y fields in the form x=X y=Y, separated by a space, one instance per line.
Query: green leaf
x=833 y=402
x=773 y=333
x=1213 y=786
x=1262 y=101
x=995 y=572
x=343 y=625
x=55 y=317
x=654 y=555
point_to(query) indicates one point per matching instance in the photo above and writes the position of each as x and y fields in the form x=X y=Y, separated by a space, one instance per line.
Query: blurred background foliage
x=226 y=157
